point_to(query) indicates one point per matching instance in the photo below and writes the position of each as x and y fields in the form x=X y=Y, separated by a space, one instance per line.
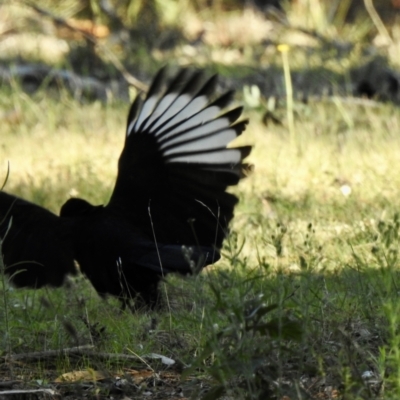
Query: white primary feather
x=201 y=118
x=225 y=156
x=185 y=112
x=146 y=110
x=198 y=133
x=175 y=108
x=162 y=106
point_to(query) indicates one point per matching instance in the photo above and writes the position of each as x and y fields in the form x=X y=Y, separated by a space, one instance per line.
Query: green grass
x=304 y=302
x=306 y=295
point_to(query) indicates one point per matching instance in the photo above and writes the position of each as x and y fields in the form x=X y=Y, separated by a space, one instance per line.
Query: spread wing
x=175 y=166
x=35 y=244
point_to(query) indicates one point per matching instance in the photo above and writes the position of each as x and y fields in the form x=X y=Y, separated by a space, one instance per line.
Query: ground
x=304 y=303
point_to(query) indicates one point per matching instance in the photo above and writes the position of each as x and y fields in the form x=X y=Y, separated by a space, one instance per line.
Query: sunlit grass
x=343 y=176
x=308 y=235
x=315 y=235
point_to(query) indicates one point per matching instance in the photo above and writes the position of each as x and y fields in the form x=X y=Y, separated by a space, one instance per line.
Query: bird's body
x=169 y=211
x=35 y=243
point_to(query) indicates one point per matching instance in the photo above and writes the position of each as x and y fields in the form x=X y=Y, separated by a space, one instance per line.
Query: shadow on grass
x=246 y=333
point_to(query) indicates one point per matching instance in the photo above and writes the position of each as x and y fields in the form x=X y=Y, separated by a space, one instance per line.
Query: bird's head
x=77 y=207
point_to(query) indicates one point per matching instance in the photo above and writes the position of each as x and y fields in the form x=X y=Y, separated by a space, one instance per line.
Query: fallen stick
x=73 y=351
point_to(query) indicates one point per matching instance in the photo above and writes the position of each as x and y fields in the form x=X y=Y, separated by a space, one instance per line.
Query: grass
x=305 y=299
x=304 y=303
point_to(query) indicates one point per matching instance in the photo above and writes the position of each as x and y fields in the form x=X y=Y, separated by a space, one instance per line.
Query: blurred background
x=316 y=232
x=95 y=47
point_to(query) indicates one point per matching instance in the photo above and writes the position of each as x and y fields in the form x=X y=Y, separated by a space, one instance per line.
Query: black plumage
x=169 y=210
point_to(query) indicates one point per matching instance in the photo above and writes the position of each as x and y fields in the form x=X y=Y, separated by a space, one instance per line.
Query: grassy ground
x=305 y=301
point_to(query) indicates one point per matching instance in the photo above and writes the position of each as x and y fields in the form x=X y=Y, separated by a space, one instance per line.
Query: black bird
x=169 y=211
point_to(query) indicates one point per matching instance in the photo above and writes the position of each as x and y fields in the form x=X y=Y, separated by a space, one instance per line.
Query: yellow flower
x=283 y=48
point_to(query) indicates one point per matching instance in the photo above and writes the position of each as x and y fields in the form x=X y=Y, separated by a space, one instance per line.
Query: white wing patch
x=162 y=106
x=147 y=109
x=175 y=108
x=198 y=133
x=225 y=156
x=188 y=127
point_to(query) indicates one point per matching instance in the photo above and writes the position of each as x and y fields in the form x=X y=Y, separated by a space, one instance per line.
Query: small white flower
x=346 y=190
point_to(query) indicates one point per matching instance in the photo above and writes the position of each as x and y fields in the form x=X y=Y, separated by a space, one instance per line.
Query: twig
x=17 y=392
x=86 y=351
x=112 y=57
